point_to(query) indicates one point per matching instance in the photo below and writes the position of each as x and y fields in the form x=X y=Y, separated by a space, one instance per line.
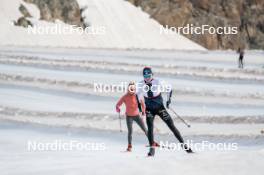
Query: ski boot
x=151 y=152
x=156 y=144
x=129 y=148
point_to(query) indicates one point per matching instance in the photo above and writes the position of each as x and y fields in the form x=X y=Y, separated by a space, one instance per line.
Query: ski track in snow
x=45 y=86
x=14 y=153
x=47 y=94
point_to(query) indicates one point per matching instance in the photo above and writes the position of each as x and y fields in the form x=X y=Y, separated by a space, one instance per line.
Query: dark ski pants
x=240 y=62
x=165 y=116
x=129 y=121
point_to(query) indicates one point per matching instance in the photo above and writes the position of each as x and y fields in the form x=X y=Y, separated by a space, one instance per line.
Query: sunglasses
x=147 y=75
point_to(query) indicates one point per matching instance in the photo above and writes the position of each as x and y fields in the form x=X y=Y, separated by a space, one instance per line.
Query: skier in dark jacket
x=151 y=88
x=241 y=53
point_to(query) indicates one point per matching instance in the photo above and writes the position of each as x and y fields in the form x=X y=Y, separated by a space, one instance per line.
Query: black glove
x=168 y=103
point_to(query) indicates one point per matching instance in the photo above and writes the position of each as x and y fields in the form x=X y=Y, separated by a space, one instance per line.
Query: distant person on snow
x=133 y=107
x=241 y=53
x=151 y=88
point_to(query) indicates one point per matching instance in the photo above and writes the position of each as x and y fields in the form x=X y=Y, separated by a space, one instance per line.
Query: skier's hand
x=118 y=109
x=143 y=113
x=168 y=103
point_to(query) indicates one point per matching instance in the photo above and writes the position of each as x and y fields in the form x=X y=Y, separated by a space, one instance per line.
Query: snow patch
x=126 y=27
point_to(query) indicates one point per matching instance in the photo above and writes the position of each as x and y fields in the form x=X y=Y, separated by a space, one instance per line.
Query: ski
x=167 y=147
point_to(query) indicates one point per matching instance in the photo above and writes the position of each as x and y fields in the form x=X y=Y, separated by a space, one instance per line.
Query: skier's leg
x=141 y=124
x=150 y=120
x=165 y=116
x=239 y=62
x=150 y=124
x=129 y=122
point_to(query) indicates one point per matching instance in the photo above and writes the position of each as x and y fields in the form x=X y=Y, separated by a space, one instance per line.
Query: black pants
x=129 y=121
x=240 y=62
x=165 y=116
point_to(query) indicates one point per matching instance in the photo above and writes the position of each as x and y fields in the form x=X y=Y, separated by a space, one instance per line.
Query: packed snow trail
x=14 y=150
x=53 y=101
x=55 y=87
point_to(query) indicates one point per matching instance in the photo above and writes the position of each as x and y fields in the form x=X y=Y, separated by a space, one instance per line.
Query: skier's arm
x=169 y=99
x=139 y=90
x=143 y=106
x=119 y=103
x=168 y=88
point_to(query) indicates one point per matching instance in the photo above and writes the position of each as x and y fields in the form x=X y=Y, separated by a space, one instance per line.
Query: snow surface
x=61 y=80
x=46 y=94
x=125 y=26
x=16 y=159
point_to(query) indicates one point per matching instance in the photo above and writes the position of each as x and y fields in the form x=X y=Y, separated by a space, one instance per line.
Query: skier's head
x=147 y=74
x=131 y=89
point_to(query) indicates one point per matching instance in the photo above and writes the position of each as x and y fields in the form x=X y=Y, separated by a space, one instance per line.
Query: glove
x=168 y=103
x=118 y=109
x=143 y=113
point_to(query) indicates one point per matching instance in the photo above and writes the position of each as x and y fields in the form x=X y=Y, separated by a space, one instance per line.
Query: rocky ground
x=67 y=11
x=247 y=15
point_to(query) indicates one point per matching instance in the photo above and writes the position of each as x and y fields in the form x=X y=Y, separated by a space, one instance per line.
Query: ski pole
x=188 y=125
x=120 y=125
